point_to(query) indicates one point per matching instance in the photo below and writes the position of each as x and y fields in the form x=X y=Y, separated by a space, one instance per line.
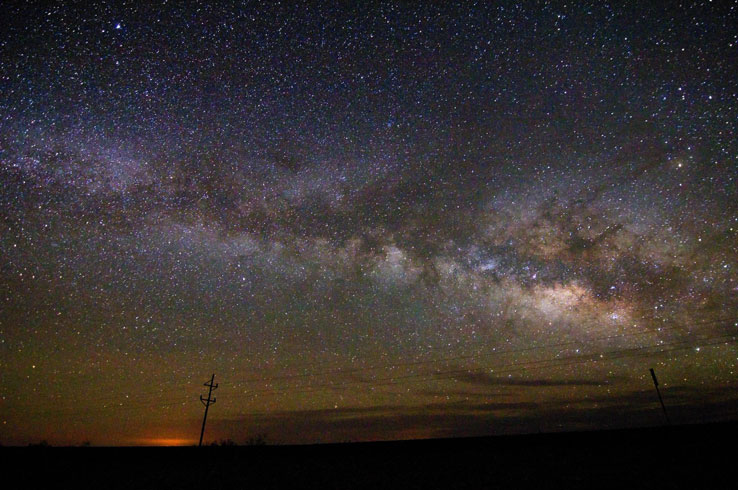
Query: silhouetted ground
x=698 y=456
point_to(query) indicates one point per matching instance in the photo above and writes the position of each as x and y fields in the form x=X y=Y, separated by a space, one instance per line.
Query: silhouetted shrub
x=258 y=440
x=223 y=443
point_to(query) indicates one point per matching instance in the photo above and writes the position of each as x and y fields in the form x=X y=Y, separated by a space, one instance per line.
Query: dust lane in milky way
x=377 y=222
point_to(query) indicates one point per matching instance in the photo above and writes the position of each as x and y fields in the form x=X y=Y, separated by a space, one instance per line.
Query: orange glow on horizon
x=165 y=441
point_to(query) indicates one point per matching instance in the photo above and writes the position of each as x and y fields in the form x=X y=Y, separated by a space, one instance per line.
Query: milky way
x=375 y=222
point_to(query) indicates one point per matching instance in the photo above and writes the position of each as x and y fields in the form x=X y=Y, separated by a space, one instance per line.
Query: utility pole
x=656 y=384
x=207 y=401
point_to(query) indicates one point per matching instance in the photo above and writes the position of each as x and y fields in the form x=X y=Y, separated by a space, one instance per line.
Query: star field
x=373 y=222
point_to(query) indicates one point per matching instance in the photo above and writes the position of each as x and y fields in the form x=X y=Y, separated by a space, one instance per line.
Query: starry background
x=370 y=222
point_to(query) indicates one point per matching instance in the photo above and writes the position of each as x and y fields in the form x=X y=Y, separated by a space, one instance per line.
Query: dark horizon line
x=219 y=444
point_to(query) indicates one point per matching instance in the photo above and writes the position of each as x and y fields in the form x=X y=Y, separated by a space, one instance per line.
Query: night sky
x=383 y=221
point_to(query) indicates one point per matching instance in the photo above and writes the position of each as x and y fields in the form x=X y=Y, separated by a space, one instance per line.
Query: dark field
x=697 y=456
